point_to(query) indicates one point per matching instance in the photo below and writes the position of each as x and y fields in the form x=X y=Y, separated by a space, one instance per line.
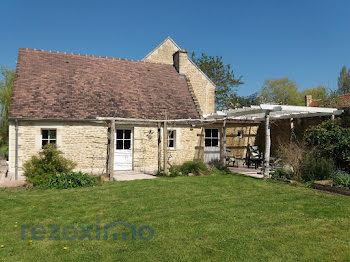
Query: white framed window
x=123 y=139
x=48 y=136
x=211 y=137
x=171 y=139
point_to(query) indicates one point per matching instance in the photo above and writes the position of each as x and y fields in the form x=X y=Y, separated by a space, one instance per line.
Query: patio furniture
x=254 y=156
x=230 y=158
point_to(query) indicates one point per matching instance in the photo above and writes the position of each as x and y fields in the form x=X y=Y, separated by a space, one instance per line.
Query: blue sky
x=305 y=40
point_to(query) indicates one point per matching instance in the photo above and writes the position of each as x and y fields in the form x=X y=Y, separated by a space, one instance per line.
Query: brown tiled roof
x=53 y=85
x=344 y=101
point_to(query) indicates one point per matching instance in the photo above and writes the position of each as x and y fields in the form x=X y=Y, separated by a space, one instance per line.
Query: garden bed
x=331 y=188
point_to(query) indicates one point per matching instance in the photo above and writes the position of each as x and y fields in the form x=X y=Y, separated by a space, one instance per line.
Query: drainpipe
x=16 y=150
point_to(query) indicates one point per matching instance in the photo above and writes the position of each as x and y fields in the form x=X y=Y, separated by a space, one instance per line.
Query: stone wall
x=83 y=142
x=204 y=89
x=145 y=157
x=86 y=144
x=188 y=145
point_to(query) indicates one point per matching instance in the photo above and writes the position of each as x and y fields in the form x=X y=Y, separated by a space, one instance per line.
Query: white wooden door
x=211 y=144
x=123 y=149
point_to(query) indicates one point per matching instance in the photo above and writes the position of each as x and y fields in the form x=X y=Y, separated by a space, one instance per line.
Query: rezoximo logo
x=90 y=232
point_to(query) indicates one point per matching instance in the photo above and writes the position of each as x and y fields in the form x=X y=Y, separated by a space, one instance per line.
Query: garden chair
x=254 y=156
x=230 y=158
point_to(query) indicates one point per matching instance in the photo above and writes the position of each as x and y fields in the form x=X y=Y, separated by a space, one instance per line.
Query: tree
x=318 y=92
x=280 y=91
x=6 y=85
x=344 y=81
x=252 y=99
x=223 y=77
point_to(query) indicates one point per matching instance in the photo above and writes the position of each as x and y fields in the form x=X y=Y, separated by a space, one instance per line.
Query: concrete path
x=131 y=175
x=252 y=172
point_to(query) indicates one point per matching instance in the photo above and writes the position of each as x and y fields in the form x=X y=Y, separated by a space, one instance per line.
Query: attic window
x=240 y=134
x=48 y=136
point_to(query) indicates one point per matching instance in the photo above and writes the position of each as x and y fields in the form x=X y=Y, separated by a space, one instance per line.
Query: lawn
x=214 y=218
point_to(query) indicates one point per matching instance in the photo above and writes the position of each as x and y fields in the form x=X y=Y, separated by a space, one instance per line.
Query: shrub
x=69 y=180
x=332 y=141
x=47 y=163
x=316 y=168
x=218 y=164
x=286 y=172
x=196 y=168
x=292 y=156
x=341 y=178
x=4 y=151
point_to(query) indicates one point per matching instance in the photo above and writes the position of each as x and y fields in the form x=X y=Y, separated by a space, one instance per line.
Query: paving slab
x=131 y=175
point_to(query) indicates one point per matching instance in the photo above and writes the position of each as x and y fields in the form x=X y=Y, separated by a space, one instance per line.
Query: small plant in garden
x=292 y=156
x=69 y=180
x=341 y=178
x=218 y=164
x=47 y=163
x=316 y=168
x=196 y=168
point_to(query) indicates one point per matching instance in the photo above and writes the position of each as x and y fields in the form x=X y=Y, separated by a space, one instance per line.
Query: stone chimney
x=180 y=59
x=308 y=100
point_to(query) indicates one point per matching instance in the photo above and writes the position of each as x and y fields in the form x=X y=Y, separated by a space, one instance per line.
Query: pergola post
x=111 y=151
x=291 y=130
x=165 y=146
x=267 y=145
x=159 y=148
x=224 y=142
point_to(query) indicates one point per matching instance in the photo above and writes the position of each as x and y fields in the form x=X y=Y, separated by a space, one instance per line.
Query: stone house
x=111 y=114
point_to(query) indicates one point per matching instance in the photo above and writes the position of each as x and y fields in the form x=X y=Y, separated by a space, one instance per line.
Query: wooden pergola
x=245 y=115
x=265 y=113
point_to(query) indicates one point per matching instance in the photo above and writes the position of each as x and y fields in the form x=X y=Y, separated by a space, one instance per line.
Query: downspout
x=16 y=150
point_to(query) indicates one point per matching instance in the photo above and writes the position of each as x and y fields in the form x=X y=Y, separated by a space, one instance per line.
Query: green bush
x=341 y=178
x=331 y=141
x=69 y=180
x=316 y=168
x=4 y=151
x=196 y=168
x=287 y=172
x=47 y=163
x=218 y=164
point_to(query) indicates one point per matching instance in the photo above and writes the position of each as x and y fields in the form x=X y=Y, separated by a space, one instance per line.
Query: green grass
x=214 y=218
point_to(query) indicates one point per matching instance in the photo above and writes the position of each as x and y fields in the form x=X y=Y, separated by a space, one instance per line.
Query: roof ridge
x=168 y=38
x=85 y=55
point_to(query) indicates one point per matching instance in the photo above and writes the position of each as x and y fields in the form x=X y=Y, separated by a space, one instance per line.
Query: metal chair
x=254 y=156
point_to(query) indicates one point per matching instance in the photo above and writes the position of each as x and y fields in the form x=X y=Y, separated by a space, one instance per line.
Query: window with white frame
x=211 y=137
x=123 y=141
x=48 y=136
x=171 y=139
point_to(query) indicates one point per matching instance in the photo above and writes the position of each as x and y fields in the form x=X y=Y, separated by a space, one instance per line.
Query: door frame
x=216 y=150
x=131 y=146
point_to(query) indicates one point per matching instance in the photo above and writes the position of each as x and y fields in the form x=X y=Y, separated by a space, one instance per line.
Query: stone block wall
x=83 y=142
x=188 y=145
x=86 y=144
x=204 y=89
